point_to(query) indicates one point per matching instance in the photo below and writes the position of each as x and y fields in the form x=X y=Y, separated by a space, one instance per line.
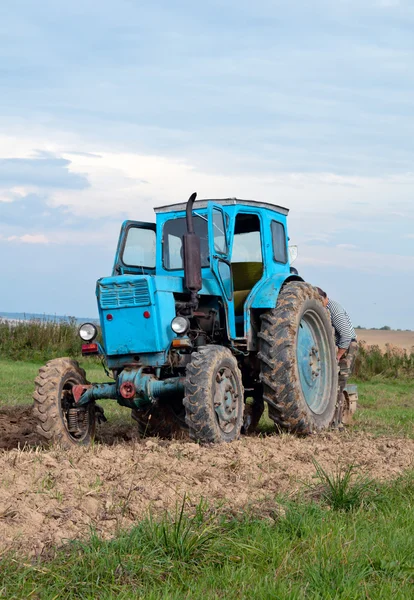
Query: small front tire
x=214 y=396
x=58 y=418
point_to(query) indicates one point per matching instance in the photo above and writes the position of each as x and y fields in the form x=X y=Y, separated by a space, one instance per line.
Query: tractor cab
x=243 y=257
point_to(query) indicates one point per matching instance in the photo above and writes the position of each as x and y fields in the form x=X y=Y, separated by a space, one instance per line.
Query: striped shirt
x=344 y=331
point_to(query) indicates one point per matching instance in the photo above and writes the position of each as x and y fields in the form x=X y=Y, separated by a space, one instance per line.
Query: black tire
x=299 y=305
x=53 y=400
x=213 y=378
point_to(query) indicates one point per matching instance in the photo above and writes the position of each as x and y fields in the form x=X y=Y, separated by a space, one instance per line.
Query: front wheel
x=299 y=370
x=58 y=418
x=214 y=397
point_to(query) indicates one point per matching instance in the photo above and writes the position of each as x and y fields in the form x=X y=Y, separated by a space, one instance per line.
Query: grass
x=310 y=550
x=39 y=340
x=393 y=363
x=344 y=537
x=17 y=385
x=344 y=489
x=385 y=408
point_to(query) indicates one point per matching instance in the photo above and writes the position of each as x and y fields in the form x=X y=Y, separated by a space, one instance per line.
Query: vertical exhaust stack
x=192 y=255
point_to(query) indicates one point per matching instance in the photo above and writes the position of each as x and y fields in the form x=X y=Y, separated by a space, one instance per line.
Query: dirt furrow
x=49 y=496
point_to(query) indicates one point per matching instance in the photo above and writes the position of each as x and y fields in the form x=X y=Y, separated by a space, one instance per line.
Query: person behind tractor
x=347 y=346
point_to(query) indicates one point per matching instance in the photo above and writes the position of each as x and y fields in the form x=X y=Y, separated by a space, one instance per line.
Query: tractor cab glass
x=139 y=248
x=279 y=242
x=174 y=229
x=136 y=251
x=219 y=232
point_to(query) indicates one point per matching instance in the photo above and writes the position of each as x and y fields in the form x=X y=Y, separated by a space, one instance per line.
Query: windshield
x=139 y=248
x=173 y=241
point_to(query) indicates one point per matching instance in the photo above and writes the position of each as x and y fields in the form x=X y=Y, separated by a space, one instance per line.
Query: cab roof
x=223 y=202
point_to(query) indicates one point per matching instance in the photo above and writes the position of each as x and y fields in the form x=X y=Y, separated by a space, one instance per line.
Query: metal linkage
x=133 y=388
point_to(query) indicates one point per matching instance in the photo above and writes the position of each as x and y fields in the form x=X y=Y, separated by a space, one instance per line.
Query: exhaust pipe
x=192 y=255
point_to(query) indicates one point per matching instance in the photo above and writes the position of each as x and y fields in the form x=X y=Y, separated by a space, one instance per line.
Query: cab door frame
x=220 y=264
x=119 y=267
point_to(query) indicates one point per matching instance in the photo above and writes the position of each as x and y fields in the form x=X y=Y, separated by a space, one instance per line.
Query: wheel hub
x=225 y=400
x=312 y=357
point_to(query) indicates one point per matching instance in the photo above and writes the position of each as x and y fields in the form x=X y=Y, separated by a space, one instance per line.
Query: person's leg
x=346 y=366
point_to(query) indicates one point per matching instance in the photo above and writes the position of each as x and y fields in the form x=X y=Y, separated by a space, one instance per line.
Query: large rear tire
x=58 y=418
x=214 y=397
x=299 y=370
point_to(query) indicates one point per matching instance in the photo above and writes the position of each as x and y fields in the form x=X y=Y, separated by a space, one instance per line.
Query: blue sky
x=110 y=108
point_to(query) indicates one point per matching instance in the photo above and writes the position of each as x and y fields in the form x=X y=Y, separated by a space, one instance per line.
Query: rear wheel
x=58 y=418
x=299 y=370
x=214 y=399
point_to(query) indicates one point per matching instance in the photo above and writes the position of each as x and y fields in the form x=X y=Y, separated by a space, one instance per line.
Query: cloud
x=299 y=107
x=27 y=238
x=45 y=171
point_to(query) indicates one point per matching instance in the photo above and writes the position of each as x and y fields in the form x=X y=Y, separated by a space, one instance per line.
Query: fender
x=264 y=296
x=266 y=291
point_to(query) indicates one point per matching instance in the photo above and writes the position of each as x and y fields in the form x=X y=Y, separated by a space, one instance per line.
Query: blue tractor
x=203 y=320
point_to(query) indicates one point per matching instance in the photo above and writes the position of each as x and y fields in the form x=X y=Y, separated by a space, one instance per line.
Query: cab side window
x=247 y=244
x=279 y=242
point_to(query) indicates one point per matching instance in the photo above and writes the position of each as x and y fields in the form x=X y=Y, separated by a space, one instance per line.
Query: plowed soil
x=50 y=496
x=373 y=337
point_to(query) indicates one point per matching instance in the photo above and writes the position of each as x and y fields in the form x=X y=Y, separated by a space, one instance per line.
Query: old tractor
x=203 y=320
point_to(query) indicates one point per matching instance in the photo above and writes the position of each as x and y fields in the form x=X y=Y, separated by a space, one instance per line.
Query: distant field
x=402 y=339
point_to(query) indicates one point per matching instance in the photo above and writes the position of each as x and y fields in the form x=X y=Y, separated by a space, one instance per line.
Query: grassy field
x=345 y=538
x=349 y=543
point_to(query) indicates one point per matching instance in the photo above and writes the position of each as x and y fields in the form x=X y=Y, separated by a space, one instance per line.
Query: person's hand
x=340 y=352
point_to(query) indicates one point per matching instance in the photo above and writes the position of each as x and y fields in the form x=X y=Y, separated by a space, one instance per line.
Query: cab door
x=136 y=251
x=218 y=241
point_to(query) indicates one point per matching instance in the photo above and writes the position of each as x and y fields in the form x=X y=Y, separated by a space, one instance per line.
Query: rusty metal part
x=350 y=404
x=127 y=389
x=77 y=391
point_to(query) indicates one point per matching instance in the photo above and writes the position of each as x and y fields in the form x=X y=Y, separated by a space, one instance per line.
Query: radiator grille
x=126 y=294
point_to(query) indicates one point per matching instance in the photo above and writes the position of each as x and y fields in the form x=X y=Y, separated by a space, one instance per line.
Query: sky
x=109 y=108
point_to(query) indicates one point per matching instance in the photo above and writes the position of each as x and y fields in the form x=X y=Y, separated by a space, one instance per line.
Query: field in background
x=376 y=337
x=392 y=355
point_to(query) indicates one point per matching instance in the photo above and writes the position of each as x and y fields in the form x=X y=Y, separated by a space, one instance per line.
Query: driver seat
x=245 y=277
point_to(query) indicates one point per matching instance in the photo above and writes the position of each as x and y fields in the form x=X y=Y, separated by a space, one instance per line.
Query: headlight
x=180 y=325
x=88 y=332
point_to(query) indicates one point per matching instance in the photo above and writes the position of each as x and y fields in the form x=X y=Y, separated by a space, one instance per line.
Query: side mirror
x=293 y=253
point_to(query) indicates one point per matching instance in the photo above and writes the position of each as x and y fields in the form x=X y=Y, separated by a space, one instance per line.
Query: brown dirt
x=18 y=429
x=401 y=339
x=49 y=496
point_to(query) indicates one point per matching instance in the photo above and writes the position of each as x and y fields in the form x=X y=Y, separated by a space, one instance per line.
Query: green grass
x=346 y=537
x=39 y=340
x=308 y=550
x=17 y=385
x=385 y=408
